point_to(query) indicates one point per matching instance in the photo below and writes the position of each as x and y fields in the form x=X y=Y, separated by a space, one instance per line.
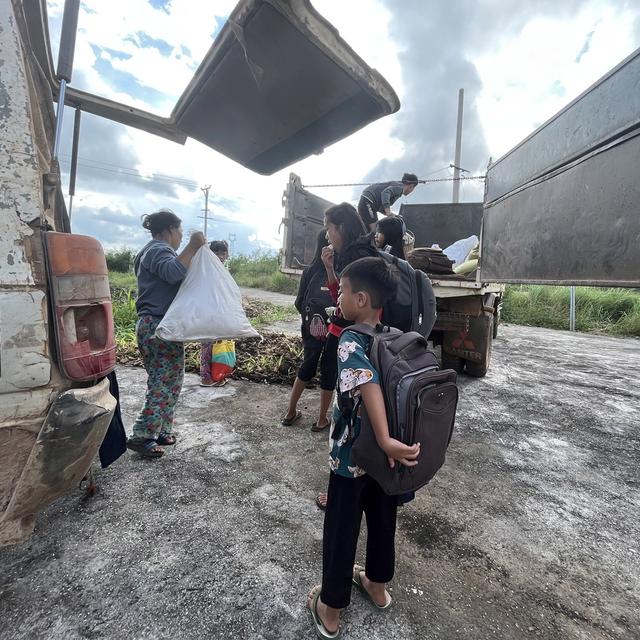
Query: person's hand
x=403 y=453
x=196 y=240
x=327 y=257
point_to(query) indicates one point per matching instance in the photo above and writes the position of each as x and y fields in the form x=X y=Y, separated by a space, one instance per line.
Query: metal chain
x=366 y=184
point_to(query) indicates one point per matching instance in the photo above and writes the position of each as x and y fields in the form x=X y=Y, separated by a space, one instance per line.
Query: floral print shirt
x=354 y=370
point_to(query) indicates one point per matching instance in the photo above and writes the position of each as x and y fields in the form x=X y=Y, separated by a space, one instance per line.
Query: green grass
x=122 y=280
x=609 y=311
x=262 y=271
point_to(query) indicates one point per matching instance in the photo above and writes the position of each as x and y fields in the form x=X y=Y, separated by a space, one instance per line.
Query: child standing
x=365 y=286
x=312 y=300
x=220 y=249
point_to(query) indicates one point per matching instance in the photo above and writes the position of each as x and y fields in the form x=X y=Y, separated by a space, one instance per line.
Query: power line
x=133 y=173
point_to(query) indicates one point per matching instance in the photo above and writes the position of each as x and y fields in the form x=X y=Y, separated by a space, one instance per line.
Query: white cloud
x=536 y=73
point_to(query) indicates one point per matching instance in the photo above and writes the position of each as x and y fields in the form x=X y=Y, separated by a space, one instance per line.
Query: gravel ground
x=529 y=531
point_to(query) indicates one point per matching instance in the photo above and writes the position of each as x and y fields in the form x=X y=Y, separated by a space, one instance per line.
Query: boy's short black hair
x=373 y=276
x=410 y=178
x=219 y=246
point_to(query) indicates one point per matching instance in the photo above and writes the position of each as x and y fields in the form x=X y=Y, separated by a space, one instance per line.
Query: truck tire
x=496 y=322
x=479 y=369
x=450 y=361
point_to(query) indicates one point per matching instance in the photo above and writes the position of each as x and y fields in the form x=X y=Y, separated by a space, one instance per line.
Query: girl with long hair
x=312 y=300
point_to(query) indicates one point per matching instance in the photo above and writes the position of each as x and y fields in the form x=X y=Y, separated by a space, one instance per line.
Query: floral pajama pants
x=205 y=361
x=164 y=363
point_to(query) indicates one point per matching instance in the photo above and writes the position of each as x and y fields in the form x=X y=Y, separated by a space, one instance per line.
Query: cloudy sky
x=518 y=62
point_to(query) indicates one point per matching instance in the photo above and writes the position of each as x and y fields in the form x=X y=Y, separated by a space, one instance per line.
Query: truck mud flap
x=61 y=455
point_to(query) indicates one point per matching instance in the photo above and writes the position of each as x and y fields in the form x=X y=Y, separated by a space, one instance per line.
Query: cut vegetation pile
x=275 y=359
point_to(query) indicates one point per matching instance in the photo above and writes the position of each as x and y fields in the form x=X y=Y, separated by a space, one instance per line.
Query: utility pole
x=232 y=242
x=572 y=308
x=205 y=190
x=456 y=170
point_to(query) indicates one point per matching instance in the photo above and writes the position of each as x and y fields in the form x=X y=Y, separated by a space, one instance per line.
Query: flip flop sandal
x=166 y=439
x=145 y=447
x=322 y=507
x=287 y=422
x=321 y=630
x=317 y=429
x=357 y=581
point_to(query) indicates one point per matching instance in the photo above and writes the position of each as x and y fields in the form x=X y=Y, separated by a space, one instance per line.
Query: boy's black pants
x=347 y=499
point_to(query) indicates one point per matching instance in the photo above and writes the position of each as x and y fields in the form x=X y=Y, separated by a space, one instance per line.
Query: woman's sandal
x=316 y=428
x=321 y=630
x=146 y=448
x=319 y=503
x=166 y=439
x=287 y=422
x=357 y=581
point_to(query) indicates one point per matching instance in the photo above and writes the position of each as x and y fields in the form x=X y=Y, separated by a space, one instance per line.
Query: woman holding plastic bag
x=159 y=271
x=217 y=359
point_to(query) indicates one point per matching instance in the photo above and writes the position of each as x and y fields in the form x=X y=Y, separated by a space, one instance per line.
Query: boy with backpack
x=365 y=286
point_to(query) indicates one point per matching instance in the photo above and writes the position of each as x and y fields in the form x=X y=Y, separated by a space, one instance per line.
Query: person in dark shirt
x=389 y=236
x=159 y=271
x=348 y=242
x=312 y=300
x=378 y=198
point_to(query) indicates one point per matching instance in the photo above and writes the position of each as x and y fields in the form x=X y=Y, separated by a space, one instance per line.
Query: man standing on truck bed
x=380 y=196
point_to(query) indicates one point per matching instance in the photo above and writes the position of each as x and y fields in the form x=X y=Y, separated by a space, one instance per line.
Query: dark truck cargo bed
x=564 y=205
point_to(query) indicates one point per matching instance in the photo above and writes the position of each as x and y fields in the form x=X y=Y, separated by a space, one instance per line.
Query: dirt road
x=530 y=530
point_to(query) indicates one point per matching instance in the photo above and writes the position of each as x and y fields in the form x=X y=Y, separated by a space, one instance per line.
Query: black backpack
x=433 y=261
x=421 y=404
x=413 y=308
x=316 y=299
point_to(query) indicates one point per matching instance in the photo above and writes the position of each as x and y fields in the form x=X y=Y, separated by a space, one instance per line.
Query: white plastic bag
x=208 y=305
x=459 y=250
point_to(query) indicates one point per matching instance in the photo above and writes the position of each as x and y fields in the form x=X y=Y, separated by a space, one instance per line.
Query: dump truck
x=468 y=308
x=562 y=207
x=261 y=100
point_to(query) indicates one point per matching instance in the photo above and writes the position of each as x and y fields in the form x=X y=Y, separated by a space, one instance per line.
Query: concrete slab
x=283 y=299
x=530 y=530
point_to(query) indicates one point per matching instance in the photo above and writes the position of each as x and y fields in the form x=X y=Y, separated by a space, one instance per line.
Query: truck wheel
x=479 y=369
x=450 y=361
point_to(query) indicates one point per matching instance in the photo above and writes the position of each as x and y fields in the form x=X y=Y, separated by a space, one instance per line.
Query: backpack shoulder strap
x=365 y=329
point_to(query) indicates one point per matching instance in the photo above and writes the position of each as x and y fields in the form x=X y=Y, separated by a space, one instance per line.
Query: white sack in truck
x=208 y=305
x=459 y=250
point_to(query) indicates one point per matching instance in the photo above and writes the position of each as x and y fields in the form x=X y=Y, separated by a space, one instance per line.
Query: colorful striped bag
x=223 y=359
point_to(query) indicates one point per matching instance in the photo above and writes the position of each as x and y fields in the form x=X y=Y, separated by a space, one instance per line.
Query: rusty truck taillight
x=81 y=304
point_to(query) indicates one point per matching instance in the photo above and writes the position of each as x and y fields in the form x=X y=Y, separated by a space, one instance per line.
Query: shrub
x=120 y=260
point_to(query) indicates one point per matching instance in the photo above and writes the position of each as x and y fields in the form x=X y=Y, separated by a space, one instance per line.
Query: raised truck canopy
x=277 y=85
